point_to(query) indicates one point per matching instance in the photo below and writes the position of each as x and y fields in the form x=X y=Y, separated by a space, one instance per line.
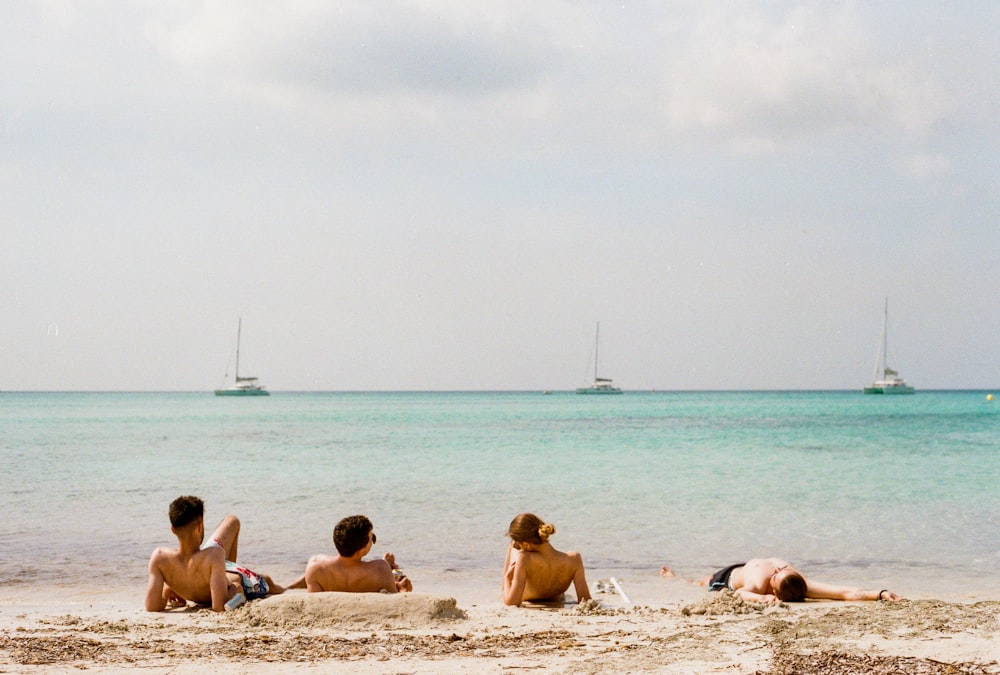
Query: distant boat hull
x=599 y=390
x=889 y=389
x=242 y=392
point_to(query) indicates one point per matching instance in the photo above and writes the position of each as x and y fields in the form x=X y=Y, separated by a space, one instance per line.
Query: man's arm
x=399 y=580
x=155 y=601
x=753 y=584
x=383 y=573
x=820 y=591
x=756 y=597
x=314 y=575
x=218 y=583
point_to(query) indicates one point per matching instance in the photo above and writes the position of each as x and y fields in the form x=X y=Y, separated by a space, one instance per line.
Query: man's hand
x=172 y=599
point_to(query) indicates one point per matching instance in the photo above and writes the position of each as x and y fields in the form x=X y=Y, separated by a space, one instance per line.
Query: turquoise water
x=896 y=491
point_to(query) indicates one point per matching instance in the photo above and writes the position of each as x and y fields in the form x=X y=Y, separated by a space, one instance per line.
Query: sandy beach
x=668 y=626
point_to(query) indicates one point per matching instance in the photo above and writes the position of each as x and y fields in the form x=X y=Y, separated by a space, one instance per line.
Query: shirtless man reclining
x=771 y=580
x=349 y=572
x=534 y=571
x=206 y=574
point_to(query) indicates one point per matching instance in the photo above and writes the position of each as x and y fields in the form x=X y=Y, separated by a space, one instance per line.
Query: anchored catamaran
x=601 y=385
x=887 y=380
x=242 y=385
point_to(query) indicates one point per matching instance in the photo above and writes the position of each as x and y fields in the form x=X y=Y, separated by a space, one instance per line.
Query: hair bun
x=546 y=530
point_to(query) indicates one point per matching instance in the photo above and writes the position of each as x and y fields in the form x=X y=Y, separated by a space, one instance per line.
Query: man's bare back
x=754 y=578
x=206 y=575
x=348 y=571
x=190 y=575
x=337 y=573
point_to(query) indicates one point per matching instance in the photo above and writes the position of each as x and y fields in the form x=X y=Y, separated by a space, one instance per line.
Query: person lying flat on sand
x=348 y=572
x=773 y=580
x=206 y=574
x=533 y=570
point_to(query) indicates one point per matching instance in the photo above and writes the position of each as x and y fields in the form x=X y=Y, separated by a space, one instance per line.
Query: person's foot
x=666 y=572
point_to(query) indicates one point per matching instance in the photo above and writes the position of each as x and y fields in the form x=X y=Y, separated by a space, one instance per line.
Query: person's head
x=788 y=586
x=527 y=528
x=352 y=534
x=184 y=511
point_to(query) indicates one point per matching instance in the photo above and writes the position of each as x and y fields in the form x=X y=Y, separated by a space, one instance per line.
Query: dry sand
x=687 y=631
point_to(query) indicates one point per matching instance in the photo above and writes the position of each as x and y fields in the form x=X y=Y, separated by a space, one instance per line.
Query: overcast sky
x=450 y=195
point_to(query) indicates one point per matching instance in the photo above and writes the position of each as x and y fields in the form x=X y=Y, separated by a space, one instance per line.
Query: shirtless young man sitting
x=348 y=572
x=771 y=580
x=204 y=574
x=535 y=571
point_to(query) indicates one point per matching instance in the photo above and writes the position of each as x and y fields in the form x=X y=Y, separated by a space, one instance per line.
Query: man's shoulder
x=321 y=561
x=321 y=569
x=376 y=564
x=163 y=554
x=172 y=556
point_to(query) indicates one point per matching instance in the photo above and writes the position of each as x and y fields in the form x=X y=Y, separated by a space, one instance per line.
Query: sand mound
x=355 y=610
x=722 y=602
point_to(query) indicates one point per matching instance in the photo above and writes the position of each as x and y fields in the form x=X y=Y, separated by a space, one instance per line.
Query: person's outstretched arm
x=820 y=591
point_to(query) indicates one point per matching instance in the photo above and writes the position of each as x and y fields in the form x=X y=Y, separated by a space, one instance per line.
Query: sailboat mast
x=239 y=329
x=597 y=344
x=885 y=337
x=883 y=344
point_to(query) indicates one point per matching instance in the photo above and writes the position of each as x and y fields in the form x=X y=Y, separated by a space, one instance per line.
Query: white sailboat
x=601 y=385
x=887 y=380
x=242 y=385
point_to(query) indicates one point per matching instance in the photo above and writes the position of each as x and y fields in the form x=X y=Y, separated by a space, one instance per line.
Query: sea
x=895 y=492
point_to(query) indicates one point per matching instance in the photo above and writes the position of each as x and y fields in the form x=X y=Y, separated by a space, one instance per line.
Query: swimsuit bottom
x=720 y=579
x=254 y=585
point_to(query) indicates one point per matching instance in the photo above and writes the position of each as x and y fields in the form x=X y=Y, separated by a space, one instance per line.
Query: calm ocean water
x=893 y=491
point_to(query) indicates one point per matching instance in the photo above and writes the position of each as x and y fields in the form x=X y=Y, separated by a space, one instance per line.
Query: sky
x=430 y=195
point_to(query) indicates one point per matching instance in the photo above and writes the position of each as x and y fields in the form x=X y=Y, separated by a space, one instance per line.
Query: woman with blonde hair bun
x=534 y=571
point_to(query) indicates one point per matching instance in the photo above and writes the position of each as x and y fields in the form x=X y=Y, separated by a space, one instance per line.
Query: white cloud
x=798 y=70
x=748 y=75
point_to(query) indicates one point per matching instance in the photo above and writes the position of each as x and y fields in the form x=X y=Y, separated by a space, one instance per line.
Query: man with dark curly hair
x=205 y=573
x=353 y=537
